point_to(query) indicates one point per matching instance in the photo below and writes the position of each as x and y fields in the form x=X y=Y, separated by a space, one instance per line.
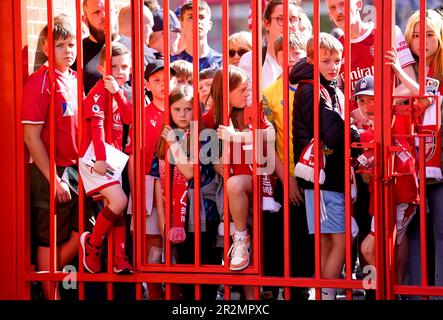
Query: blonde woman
x=239 y=44
x=434 y=188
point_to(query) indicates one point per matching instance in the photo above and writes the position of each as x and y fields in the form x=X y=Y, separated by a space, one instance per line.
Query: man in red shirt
x=362 y=47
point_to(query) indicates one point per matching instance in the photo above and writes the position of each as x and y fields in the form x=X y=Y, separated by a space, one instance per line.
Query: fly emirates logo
x=357 y=74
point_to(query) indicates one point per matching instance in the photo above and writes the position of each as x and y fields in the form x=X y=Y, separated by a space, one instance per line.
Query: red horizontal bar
x=418 y=290
x=186 y=278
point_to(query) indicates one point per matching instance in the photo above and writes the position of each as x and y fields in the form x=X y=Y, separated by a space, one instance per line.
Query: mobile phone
x=70 y=177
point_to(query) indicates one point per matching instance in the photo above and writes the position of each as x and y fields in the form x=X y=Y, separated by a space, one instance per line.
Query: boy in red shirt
x=406 y=186
x=35 y=119
x=154 y=118
x=94 y=179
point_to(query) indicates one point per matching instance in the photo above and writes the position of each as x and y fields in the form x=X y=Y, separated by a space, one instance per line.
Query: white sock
x=328 y=293
x=240 y=235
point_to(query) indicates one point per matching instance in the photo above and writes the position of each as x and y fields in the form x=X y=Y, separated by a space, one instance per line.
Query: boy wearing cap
x=209 y=58
x=154 y=112
x=156 y=38
x=154 y=117
x=406 y=187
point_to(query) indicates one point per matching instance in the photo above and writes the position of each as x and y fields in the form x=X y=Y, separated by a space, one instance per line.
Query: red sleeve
x=124 y=106
x=95 y=102
x=94 y=109
x=98 y=138
x=35 y=100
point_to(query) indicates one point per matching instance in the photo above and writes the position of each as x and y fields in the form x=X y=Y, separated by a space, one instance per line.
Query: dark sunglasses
x=240 y=52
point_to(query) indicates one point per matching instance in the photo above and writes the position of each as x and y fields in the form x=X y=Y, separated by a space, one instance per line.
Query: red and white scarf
x=431 y=127
x=177 y=233
x=305 y=166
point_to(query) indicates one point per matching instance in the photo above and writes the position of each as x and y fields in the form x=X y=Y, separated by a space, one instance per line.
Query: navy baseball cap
x=174 y=24
x=155 y=66
x=364 y=86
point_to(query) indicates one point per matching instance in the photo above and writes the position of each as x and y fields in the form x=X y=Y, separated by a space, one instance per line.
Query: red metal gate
x=18 y=273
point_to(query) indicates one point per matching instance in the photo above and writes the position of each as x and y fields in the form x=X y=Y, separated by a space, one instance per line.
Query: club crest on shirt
x=372 y=50
x=430 y=144
x=68 y=109
x=117 y=118
x=153 y=122
x=96 y=97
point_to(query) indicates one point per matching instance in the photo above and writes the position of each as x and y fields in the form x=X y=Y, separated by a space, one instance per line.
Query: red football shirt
x=35 y=107
x=95 y=124
x=362 y=54
x=154 y=118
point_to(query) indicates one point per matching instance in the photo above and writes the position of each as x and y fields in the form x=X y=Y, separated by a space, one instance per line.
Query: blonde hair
x=327 y=42
x=182 y=68
x=241 y=39
x=434 y=20
x=296 y=41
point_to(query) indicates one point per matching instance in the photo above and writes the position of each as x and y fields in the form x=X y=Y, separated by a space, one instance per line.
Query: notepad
x=114 y=158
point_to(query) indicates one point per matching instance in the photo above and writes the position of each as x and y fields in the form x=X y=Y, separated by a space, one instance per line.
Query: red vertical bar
x=136 y=195
x=168 y=190
x=286 y=126
x=227 y=294
x=20 y=71
x=317 y=148
x=423 y=222
x=108 y=130
x=378 y=163
x=257 y=289
x=80 y=94
x=139 y=194
x=257 y=108
x=108 y=44
x=225 y=80
x=422 y=44
x=422 y=158
x=388 y=18
x=138 y=291
x=195 y=131
x=52 y=168
x=347 y=143
x=168 y=291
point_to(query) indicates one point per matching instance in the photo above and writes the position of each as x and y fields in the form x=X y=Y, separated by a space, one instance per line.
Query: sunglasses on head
x=240 y=52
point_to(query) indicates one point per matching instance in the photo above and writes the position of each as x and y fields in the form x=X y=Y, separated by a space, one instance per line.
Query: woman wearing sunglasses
x=239 y=44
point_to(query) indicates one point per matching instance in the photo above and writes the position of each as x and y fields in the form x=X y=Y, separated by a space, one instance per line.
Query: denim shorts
x=332 y=211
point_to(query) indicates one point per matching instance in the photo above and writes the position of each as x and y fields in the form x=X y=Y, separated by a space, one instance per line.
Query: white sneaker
x=239 y=254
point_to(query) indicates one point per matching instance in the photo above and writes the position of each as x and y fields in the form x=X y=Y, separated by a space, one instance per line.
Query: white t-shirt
x=270 y=71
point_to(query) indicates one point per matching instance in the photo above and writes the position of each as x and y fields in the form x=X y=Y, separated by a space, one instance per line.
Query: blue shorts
x=332 y=211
